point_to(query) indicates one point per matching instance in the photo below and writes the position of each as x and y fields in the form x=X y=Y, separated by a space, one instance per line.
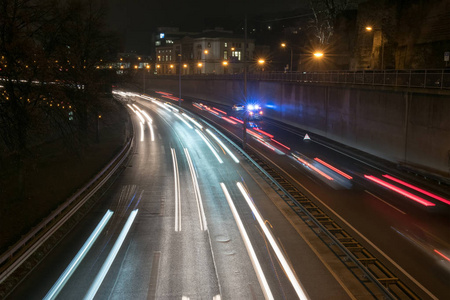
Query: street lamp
x=206 y=53
x=284 y=46
x=179 y=80
x=370 y=29
x=318 y=54
x=143 y=76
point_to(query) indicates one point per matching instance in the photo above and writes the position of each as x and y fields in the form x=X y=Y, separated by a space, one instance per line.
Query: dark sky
x=135 y=20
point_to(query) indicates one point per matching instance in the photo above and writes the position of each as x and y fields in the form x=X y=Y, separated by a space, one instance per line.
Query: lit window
x=225 y=54
x=225 y=45
x=158 y=43
x=236 y=54
x=169 y=41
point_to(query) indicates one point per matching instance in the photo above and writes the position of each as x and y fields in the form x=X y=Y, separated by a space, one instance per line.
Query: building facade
x=210 y=52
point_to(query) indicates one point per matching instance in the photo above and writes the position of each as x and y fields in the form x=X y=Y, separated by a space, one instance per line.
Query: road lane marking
x=299 y=289
x=198 y=196
x=57 y=287
x=176 y=175
x=248 y=245
x=109 y=260
x=401 y=211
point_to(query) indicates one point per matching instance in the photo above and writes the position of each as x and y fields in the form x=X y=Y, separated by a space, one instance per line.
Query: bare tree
x=325 y=13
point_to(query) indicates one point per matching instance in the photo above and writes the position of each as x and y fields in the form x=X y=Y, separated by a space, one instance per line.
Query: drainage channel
x=356 y=258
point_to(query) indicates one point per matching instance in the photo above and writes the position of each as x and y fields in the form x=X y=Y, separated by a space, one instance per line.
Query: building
x=211 y=52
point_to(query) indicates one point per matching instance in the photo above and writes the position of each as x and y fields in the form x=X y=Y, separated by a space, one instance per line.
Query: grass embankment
x=53 y=174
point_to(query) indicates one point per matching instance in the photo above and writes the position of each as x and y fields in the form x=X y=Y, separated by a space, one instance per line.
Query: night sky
x=135 y=20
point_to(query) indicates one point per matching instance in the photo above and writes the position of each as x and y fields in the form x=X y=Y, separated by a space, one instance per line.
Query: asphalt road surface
x=402 y=219
x=184 y=220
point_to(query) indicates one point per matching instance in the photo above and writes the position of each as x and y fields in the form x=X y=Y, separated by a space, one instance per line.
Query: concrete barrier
x=407 y=126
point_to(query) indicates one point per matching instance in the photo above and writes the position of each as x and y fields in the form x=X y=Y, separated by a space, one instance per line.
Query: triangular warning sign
x=306 y=137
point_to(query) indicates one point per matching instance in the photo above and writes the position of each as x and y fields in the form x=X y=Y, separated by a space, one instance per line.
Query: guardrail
x=429 y=79
x=41 y=229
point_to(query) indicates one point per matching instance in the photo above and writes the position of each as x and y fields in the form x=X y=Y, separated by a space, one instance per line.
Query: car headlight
x=250 y=107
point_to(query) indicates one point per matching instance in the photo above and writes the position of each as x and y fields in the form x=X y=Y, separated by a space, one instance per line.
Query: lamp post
x=206 y=53
x=179 y=81
x=370 y=29
x=244 y=125
x=147 y=68
x=225 y=65
x=284 y=46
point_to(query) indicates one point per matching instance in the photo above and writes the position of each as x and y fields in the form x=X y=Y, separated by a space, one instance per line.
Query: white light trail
x=142 y=131
x=57 y=287
x=209 y=145
x=112 y=255
x=131 y=107
x=151 y=132
x=223 y=146
x=301 y=293
x=137 y=107
x=149 y=120
x=198 y=196
x=171 y=107
x=248 y=245
x=184 y=121
x=193 y=121
x=176 y=175
x=140 y=116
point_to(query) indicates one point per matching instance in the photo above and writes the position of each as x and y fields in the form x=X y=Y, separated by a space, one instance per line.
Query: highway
x=404 y=220
x=187 y=218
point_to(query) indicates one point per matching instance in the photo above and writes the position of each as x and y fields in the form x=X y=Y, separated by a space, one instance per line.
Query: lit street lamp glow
x=318 y=54
x=368 y=28
x=261 y=61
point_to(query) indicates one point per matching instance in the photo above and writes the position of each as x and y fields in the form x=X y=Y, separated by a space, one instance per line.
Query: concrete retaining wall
x=410 y=127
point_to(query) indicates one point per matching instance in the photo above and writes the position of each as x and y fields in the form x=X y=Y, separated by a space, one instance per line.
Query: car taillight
x=260 y=112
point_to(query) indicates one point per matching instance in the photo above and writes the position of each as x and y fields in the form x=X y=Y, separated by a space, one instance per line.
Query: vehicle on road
x=238 y=107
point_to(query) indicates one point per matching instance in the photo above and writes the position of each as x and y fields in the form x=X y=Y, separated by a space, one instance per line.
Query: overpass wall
x=402 y=126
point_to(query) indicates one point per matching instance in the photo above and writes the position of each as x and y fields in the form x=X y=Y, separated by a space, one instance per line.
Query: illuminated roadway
x=179 y=224
x=411 y=238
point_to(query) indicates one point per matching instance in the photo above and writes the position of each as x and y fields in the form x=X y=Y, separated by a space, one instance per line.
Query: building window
x=209 y=45
x=236 y=54
x=167 y=58
x=170 y=57
x=169 y=41
x=225 y=45
x=158 y=43
x=225 y=54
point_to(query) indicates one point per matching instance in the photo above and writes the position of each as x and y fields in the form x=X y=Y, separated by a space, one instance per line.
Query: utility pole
x=179 y=80
x=244 y=129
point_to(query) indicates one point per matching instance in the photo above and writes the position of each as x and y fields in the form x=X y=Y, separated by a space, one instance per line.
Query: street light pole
x=244 y=129
x=179 y=80
x=290 y=66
